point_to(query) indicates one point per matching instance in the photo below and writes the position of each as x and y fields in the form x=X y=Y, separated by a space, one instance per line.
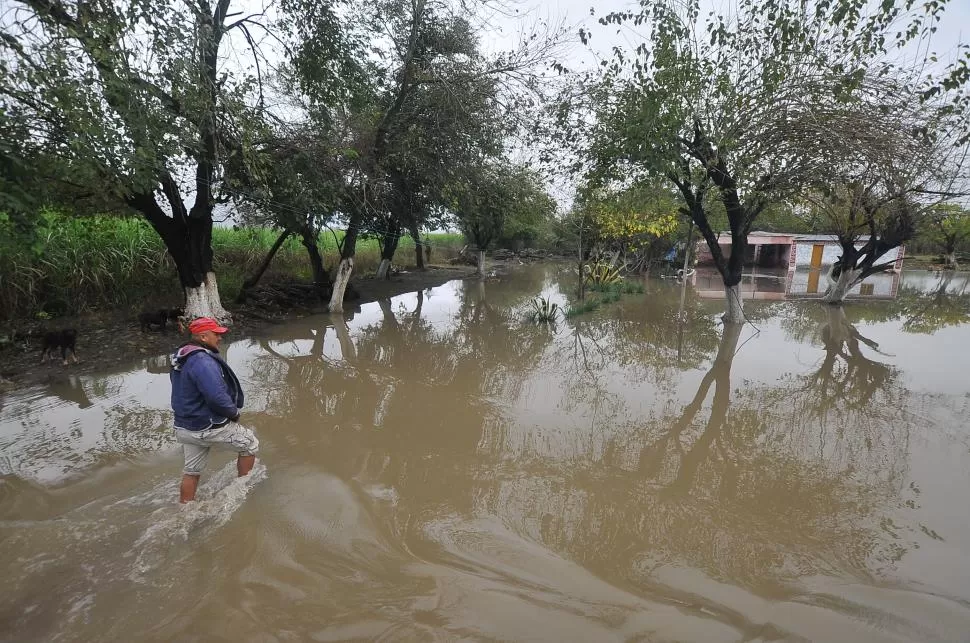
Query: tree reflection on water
x=748 y=481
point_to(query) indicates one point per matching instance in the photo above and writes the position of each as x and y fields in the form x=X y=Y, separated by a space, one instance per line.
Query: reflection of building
x=811 y=283
x=785 y=265
x=774 y=283
x=791 y=251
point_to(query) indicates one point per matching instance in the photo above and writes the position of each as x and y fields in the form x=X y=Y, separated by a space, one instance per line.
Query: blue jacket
x=205 y=391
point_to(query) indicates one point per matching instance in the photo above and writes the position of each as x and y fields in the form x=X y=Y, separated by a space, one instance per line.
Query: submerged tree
x=873 y=196
x=736 y=105
x=948 y=226
x=627 y=224
x=424 y=47
x=486 y=194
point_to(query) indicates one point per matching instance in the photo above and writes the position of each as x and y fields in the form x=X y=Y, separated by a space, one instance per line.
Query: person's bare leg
x=187 y=489
x=244 y=464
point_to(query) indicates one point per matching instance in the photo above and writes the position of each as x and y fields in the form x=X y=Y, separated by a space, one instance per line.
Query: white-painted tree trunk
x=203 y=301
x=481 y=262
x=734 y=311
x=728 y=345
x=212 y=286
x=950 y=260
x=340 y=281
x=840 y=287
x=383 y=269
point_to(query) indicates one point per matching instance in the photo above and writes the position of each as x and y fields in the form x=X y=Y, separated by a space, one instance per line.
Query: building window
x=866 y=290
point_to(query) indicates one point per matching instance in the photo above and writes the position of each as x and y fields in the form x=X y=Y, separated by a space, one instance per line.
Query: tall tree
x=300 y=190
x=628 y=223
x=135 y=98
x=422 y=44
x=731 y=104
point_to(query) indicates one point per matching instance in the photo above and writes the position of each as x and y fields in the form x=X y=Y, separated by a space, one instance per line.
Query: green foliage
x=609 y=292
x=69 y=265
x=76 y=264
x=486 y=194
x=783 y=217
x=636 y=223
x=530 y=223
x=947 y=226
x=623 y=287
x=120 y=90
x=633 y=216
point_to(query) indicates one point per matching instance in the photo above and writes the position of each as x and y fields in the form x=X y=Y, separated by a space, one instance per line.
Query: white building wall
x=830 y=254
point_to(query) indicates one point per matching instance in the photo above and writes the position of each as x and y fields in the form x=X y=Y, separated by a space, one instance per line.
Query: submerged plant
x=583 y=307
x=544 y=310
x=622 y=287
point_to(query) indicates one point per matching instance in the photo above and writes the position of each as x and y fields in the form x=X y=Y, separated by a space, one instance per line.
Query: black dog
x=159 y=318
x=148 y=319
x=175 y=315
x=65 y=340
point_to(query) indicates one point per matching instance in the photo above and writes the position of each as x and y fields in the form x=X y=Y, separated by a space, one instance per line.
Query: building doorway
x=817 y=256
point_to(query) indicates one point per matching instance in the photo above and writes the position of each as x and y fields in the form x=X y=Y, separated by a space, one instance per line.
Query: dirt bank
x=106 y=339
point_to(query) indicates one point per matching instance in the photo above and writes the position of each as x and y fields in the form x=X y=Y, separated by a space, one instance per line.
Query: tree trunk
x=384 y=269
x=841 y=285
x=419 y=248
x=203 y=300
x=320 y=277
x=950 y=261
x=389 y=243
x=346 y=267
x=481 y=263
x=734 y=312
x=188 y=239
x=253 y=279
x=340 y=281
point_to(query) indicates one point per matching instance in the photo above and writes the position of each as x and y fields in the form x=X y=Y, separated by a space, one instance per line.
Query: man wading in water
x=206 y=398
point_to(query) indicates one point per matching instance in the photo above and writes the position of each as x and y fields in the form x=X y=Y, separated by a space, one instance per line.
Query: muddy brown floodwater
x=433 y=468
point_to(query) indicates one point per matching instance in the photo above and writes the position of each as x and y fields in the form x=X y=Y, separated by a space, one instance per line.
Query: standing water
x=435 y=468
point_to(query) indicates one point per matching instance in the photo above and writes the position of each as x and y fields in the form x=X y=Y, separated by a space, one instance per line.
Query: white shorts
x=231 y=436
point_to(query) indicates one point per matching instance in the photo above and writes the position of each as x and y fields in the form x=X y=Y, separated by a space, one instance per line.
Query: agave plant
x=602 y=274
x=544 y=310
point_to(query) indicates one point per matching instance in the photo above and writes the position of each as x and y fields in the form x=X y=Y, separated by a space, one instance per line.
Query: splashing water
x=217 y=501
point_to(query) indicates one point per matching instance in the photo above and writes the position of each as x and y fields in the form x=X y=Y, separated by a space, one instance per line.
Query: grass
x=621 y=287
x=583 y=307
x=610 y=293
x=74 y=264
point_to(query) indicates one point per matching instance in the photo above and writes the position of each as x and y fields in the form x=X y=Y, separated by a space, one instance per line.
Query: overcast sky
x=503 y=31
x=576 y=13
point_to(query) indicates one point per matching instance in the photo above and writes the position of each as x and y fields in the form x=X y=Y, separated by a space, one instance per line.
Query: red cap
x=202 y=324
